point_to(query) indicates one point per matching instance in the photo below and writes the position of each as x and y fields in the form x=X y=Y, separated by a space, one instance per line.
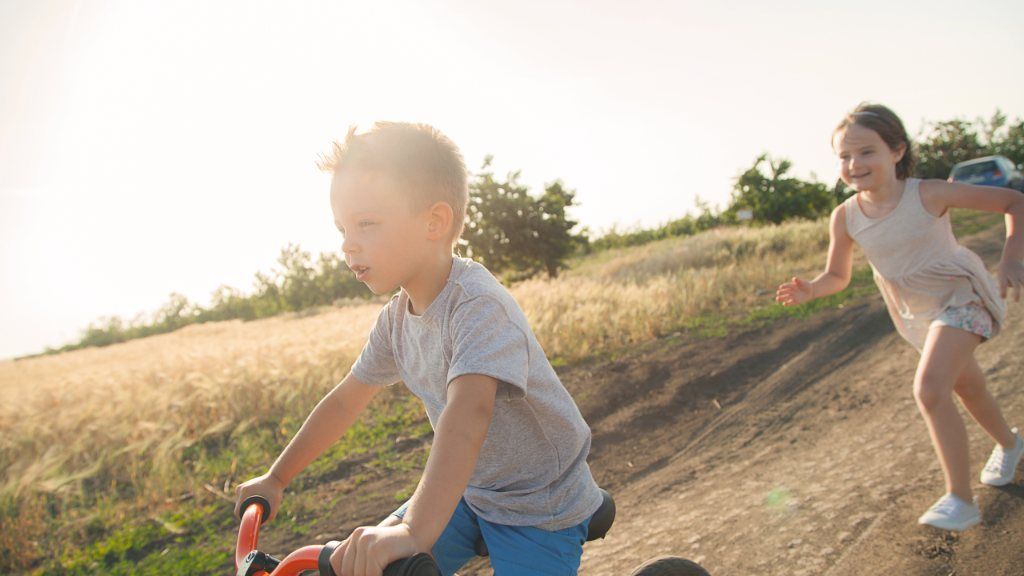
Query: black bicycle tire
x=669 y=566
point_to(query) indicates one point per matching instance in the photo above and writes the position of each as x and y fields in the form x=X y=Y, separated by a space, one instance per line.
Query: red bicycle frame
x=251 y=562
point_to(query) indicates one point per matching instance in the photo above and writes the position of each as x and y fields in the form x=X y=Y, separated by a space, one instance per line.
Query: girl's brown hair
x=888 y=125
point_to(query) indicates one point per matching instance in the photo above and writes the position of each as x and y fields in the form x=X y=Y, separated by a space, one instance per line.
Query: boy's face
x=384 y=238
x=865 y=161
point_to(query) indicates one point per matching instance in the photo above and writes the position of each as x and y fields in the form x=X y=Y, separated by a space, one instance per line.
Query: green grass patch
x=189 y=541
x=861 y=284
x=968 y=222
x=377 y=434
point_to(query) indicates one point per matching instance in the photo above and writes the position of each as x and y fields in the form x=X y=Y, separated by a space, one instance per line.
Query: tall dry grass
x=628 y=296
x=68 y=416
x=137 y=424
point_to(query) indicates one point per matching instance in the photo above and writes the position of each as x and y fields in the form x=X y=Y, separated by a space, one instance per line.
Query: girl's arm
x=838 y=267
x=938 y=196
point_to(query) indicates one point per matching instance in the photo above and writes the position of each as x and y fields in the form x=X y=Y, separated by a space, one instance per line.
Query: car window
x=972 y=170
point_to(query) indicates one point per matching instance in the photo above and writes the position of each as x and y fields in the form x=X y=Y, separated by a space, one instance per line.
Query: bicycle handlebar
x=251 y=562
x=416 y=565
x=255 y=511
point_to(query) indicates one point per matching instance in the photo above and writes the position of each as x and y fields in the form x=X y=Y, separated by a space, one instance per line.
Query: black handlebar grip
x=323 y=561
x=418 y=565
x=263 y=502
x=421 y=564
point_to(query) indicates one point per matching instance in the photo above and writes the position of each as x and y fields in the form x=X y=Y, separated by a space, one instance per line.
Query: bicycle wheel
x=669 y=566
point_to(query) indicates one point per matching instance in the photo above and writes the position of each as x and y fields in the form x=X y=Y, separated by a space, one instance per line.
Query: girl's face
x=865 y=161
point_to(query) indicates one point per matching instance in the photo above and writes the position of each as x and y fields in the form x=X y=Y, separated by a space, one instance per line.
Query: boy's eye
x=366 y=223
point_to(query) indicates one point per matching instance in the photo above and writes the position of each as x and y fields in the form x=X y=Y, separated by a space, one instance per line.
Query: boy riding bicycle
x=508 y=462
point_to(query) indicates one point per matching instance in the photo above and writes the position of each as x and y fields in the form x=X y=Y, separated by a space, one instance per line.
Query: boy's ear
x=439 y=221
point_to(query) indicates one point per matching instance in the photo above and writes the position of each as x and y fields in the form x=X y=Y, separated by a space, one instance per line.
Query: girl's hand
x=794 y=292
x=1011 y=276
x=368 y=551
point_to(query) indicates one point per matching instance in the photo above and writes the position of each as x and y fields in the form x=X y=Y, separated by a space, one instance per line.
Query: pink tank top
x=918 y=265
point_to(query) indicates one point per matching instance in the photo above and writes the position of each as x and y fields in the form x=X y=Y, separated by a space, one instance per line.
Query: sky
x=154 y=147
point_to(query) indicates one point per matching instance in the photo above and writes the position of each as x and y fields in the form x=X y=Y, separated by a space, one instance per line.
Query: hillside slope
x=816 y=462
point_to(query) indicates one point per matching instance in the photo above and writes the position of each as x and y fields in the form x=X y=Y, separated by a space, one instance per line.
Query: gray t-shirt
x=532 y=469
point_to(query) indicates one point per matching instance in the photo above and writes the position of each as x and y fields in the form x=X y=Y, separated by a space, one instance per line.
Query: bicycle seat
x=602 y=520
x=599 y=525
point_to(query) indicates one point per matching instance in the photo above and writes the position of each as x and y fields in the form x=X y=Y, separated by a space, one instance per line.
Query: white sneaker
x=951 y=513
x=1002 y=464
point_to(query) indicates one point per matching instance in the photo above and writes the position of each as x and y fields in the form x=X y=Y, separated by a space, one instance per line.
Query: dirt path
x=820 y=467
x=816 y=463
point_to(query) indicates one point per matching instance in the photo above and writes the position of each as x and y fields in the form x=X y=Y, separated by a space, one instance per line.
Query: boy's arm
x=331 y=417
x=324 y=426
x=461 y=431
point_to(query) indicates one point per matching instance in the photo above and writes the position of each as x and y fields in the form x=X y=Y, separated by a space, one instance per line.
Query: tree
x=774 y=197
x=227 y=303
x=515 y=234
x=334 y=281
x=1009 y=142
x=103 y=332
x=945 y=143
x=555 y=241
x=297 y=278
x=177 y=312
x=266 y=300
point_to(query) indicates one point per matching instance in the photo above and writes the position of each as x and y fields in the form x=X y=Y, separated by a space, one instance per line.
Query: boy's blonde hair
x=427 y=164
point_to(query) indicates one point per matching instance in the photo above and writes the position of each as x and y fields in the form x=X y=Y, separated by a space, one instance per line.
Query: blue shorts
x=514 y=550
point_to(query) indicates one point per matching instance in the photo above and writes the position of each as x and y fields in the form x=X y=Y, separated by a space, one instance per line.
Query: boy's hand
x=1011 y=276
x=794 y=292
x=267 y=486
x=367 y=551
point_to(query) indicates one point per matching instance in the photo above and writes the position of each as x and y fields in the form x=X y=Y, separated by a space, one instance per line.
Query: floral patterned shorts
x=973 y=317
